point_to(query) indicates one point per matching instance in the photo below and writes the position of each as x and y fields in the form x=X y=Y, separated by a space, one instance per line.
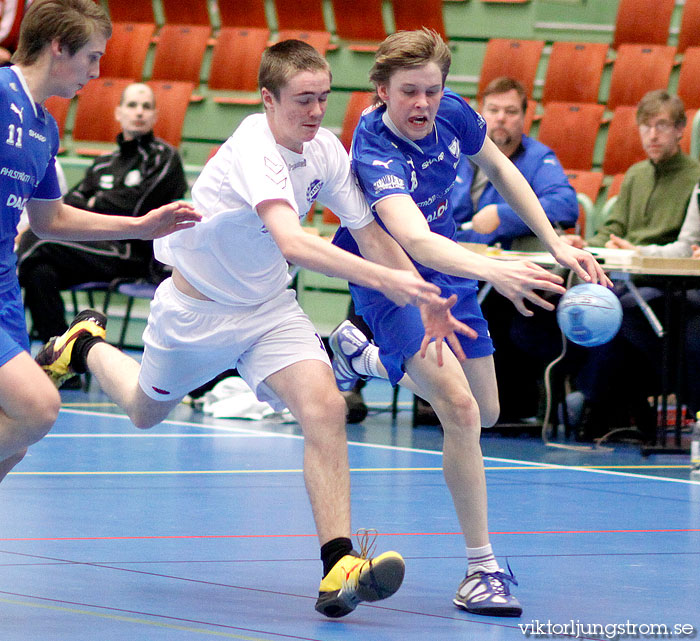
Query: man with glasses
x=649 y=212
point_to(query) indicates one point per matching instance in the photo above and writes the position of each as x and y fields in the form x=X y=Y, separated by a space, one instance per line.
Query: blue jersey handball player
x=60 y=45
x=405 y=155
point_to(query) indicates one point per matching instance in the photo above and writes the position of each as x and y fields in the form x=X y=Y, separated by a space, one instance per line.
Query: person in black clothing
x=142 y=174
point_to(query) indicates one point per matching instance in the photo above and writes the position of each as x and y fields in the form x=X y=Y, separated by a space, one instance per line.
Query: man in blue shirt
x=60 y=45
x=483 y=214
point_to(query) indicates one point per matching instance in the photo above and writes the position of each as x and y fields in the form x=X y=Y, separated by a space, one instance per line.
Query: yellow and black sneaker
x=356 y=578
x=57 y=357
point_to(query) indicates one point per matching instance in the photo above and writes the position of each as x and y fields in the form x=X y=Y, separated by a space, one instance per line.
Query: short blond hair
x=71 y=22
x=407 y=49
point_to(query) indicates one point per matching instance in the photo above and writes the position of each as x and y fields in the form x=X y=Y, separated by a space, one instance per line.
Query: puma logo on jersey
x=18 y=111
x=383 y=163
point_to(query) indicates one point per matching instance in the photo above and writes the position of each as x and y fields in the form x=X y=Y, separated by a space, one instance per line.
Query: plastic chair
x=89 y=289
x=190 y=12
x=357 y=103
x=290 y=16
x=623 y=146
x=515 y=58
x=688 y=89
x=410 y=15
x=133 y=290
x=359 y=21
x=58 y=107
x=689 y=133
x=689 y=33
x=127 y=49
x=571 y=130
x=587 y=185
x=638 y=69
x=574 y=71
x=643 y=21
x=180 y=52
x=172 y=101
x=94 y=114
x=130 y=11
x=308 y=25
x=242 y=13
x=235 y=61
x=319 y=40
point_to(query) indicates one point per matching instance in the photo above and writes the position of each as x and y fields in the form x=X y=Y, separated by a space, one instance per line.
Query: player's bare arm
x=440 y=325
x=511 y=184
x=53 y=219
x=515 y=279
x=403 y=287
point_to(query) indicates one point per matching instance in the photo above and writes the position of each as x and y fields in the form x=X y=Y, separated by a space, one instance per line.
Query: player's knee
x=489 y=413
x=143 y=421
x=40 y=414
x=11 y=461
x=461 y=411
x=150 y=414
x=328 y=414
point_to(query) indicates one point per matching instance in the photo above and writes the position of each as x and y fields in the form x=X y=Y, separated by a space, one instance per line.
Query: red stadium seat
x=511 y=57
x=127 y=49
x=623 y=146
x=638 y=69
x=180 y=52
x=574 y=71
x=571 y=130
x=643 y=22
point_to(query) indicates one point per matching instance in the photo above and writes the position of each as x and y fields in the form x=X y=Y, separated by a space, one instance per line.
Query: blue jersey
x=28 y=146
x=386 y=163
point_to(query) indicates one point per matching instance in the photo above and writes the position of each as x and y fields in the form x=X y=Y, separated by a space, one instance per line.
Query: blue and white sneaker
x=488 y=593
x=347 y=342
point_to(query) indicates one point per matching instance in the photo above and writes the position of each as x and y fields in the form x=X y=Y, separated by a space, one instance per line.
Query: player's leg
x=481 y=374
x=447 y=388
x=309 y=391
x=448 y=391
x=118 y=376
x=29 y=405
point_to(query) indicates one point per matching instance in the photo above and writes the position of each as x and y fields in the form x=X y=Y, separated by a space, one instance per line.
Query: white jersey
x=230 y=256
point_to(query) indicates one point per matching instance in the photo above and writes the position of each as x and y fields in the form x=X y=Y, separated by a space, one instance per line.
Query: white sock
x=367 y=363
x=482 y=559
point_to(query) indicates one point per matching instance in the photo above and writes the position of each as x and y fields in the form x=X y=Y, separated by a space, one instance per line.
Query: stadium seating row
x=637 y=21
x=571 y=71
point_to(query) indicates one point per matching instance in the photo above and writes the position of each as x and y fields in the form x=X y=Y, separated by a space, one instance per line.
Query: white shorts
x=187 y=342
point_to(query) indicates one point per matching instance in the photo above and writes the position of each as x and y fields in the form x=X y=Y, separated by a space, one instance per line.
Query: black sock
x=83 y=344
x=333 y=551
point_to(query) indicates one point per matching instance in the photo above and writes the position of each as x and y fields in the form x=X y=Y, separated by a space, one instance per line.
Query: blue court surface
x=200 y=528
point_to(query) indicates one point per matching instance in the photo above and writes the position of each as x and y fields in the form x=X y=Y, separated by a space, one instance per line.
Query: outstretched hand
x=519 y=280
x=441 y=325
x=582 y=262
x=166 y=220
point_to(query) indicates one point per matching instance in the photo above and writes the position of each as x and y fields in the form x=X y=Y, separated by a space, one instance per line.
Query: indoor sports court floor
x=200 y=528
